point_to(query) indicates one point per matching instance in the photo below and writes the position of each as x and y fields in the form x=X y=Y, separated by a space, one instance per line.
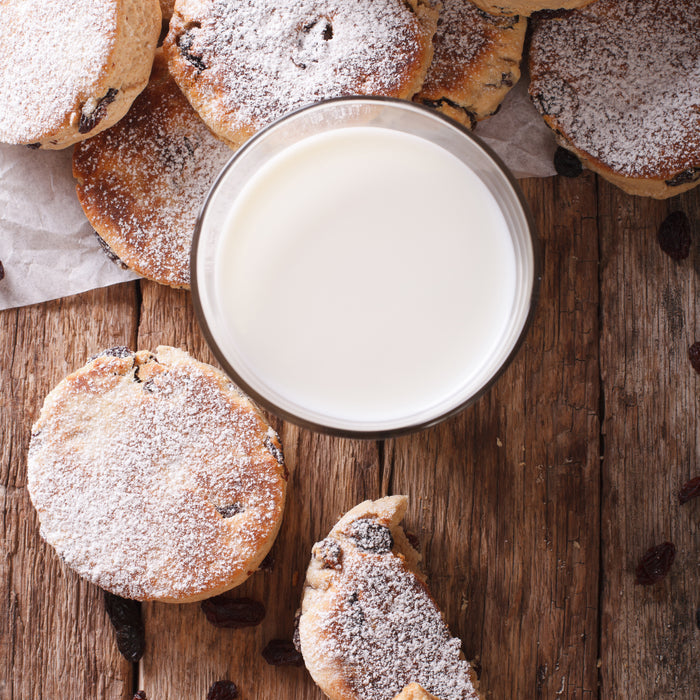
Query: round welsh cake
x=142 y=182
x=154 y=477
x=243 y=63
x=475 y=63
x=368 y=625
x=71 y=69
x=619 y=83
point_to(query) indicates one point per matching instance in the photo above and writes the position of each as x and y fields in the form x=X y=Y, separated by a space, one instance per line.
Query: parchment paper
x=49 y=250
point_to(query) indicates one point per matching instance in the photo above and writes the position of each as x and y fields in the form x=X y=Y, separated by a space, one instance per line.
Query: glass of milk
x=364 y=267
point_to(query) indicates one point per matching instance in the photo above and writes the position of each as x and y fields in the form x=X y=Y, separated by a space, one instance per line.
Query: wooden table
x=532 y=507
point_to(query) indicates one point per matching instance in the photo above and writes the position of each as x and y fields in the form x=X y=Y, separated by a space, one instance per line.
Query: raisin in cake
x=475 y=63
x=242 y=64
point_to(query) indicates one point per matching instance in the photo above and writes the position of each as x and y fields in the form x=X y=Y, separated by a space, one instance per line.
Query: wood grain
x=55 y=638
x=650 y=316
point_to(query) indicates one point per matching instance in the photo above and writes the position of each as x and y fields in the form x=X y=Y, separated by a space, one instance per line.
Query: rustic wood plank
x=504 y=497
x=650 y=315
x=185 y=654
x=55 y=638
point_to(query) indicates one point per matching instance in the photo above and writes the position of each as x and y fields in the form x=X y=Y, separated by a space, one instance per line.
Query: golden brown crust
x=366 y=608
x=154 y=477
x=286 y=56
x=629 y=111
x=475 y=63
x=527 y=7
x=72 y=73
x=142 y=182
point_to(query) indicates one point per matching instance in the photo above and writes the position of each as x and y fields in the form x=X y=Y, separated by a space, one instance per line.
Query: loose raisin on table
x=689 y=490
x=674 y=235
x=233 y=613
x=694 y=355
x=655 y=564
x=281 y=652
x=222 y=690
x=567 y=163
x=127 y=622
x=2 y=271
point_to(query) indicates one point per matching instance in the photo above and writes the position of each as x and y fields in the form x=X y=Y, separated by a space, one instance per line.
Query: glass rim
x=382 y=433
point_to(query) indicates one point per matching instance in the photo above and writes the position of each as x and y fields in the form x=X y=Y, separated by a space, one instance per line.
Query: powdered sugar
x=52 y=55
x=262 y=58
x=621 y=78
x=464 y=35
x=129 y=463
x=143 y=181
x=375 y=624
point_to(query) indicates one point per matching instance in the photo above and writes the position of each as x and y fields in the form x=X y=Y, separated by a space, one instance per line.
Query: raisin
x=370 y=536
x=690 y=489
x=222 y=690
x=330 y=554
x=2 y=271
x=89 y=121
x=441 y=102
x=296 y=637
x=567 y=163
x=268 y=563
x=655 y=563
x=164 y=27
x=281 y=652
x=507 y=79
x=184 y=43
x=230 y=510
x=274 y=448
x=139 y=695
x=674 y=235
x=34 y=146
x=694 y=355
x=126 y=619
x=233 y=613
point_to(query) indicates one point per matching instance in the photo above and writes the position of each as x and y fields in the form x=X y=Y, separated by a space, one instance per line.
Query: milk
x=365 y=277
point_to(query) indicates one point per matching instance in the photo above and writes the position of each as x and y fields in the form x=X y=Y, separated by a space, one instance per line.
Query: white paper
x=47 y=247
x=520 y=136
x=49 y=250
